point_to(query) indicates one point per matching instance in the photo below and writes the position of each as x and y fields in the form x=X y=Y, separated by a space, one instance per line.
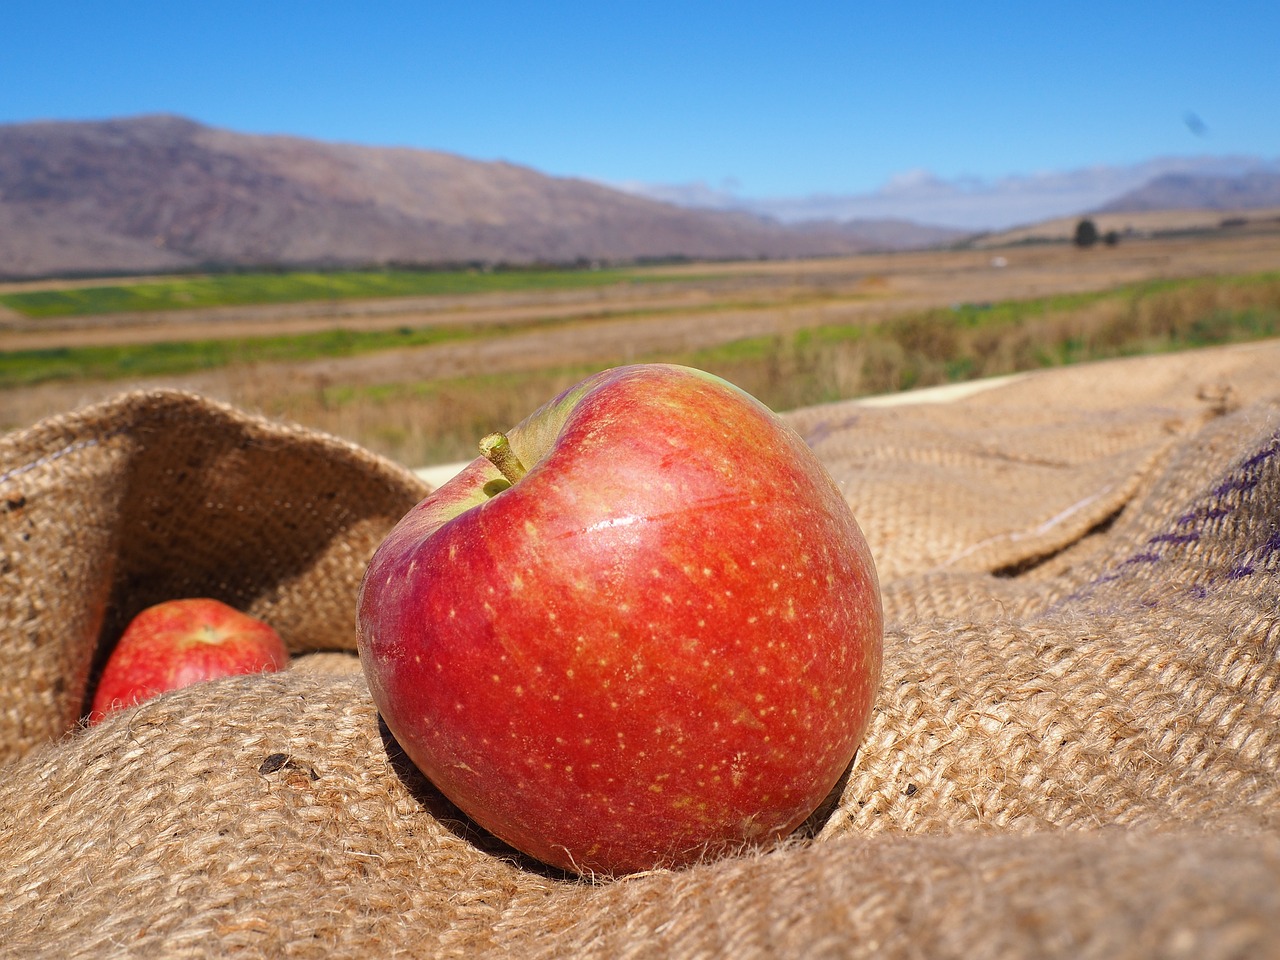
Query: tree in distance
x=1086 y=233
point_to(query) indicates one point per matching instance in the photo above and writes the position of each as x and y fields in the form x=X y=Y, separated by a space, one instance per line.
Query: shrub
x=1086 y=233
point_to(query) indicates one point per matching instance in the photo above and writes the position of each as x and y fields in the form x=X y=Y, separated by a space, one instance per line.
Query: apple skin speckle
x=660 y=644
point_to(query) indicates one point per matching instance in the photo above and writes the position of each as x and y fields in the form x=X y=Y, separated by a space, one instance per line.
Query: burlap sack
x=1074 y=752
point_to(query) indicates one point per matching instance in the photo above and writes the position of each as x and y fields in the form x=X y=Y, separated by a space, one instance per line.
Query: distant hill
x=1139 y=223
x=1185 y=191
x=164 y=193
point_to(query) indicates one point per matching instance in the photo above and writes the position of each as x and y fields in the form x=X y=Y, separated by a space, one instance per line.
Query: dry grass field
x=793 y=332
x=1149 y=223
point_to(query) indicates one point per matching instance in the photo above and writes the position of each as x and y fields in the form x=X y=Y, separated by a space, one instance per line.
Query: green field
x=27 y=367
x=915 y=349
x=246 y=289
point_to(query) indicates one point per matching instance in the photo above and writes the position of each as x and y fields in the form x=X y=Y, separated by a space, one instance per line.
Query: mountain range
x=1182 y=191
x=163 y=193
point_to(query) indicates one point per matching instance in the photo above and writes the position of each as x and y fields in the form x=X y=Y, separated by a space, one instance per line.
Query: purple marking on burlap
x=825 y=428
x=1208 y=513
x=1236 y=483
x=52 y=457
x=1141 y=558
x=1242 y=479
x=1264 y=552
x=1272 y=545
x=1260 y=555
x=1262 y=456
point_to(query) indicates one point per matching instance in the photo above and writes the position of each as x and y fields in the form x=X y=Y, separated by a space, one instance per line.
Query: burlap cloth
x=1075 y=751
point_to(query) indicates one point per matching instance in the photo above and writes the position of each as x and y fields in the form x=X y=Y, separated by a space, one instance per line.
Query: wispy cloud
x=970 y=203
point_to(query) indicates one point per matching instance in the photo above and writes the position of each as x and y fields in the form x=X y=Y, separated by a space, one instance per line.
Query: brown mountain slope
x=1185 y=191
x=162 y=192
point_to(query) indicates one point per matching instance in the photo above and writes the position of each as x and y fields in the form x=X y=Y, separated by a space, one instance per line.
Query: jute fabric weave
x=1075 y=751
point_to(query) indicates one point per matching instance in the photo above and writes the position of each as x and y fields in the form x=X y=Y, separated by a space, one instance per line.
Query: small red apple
x=661 y=642
x=181 y=642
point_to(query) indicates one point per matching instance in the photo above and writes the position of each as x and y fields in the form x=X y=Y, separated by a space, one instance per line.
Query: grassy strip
x=950 y=346
x=116 y=362
x=244 y=289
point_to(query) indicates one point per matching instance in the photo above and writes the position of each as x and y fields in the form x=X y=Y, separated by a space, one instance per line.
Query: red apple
x=181 y=642
x=659 y=644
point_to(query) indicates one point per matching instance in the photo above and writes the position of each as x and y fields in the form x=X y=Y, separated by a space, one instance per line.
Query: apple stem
x=496 y=448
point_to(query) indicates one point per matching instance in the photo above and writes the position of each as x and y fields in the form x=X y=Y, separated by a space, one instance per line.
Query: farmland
x=416 y=365
x=230 y=289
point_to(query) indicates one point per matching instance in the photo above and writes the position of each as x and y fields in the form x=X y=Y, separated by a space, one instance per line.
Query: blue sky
x=960 y=109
